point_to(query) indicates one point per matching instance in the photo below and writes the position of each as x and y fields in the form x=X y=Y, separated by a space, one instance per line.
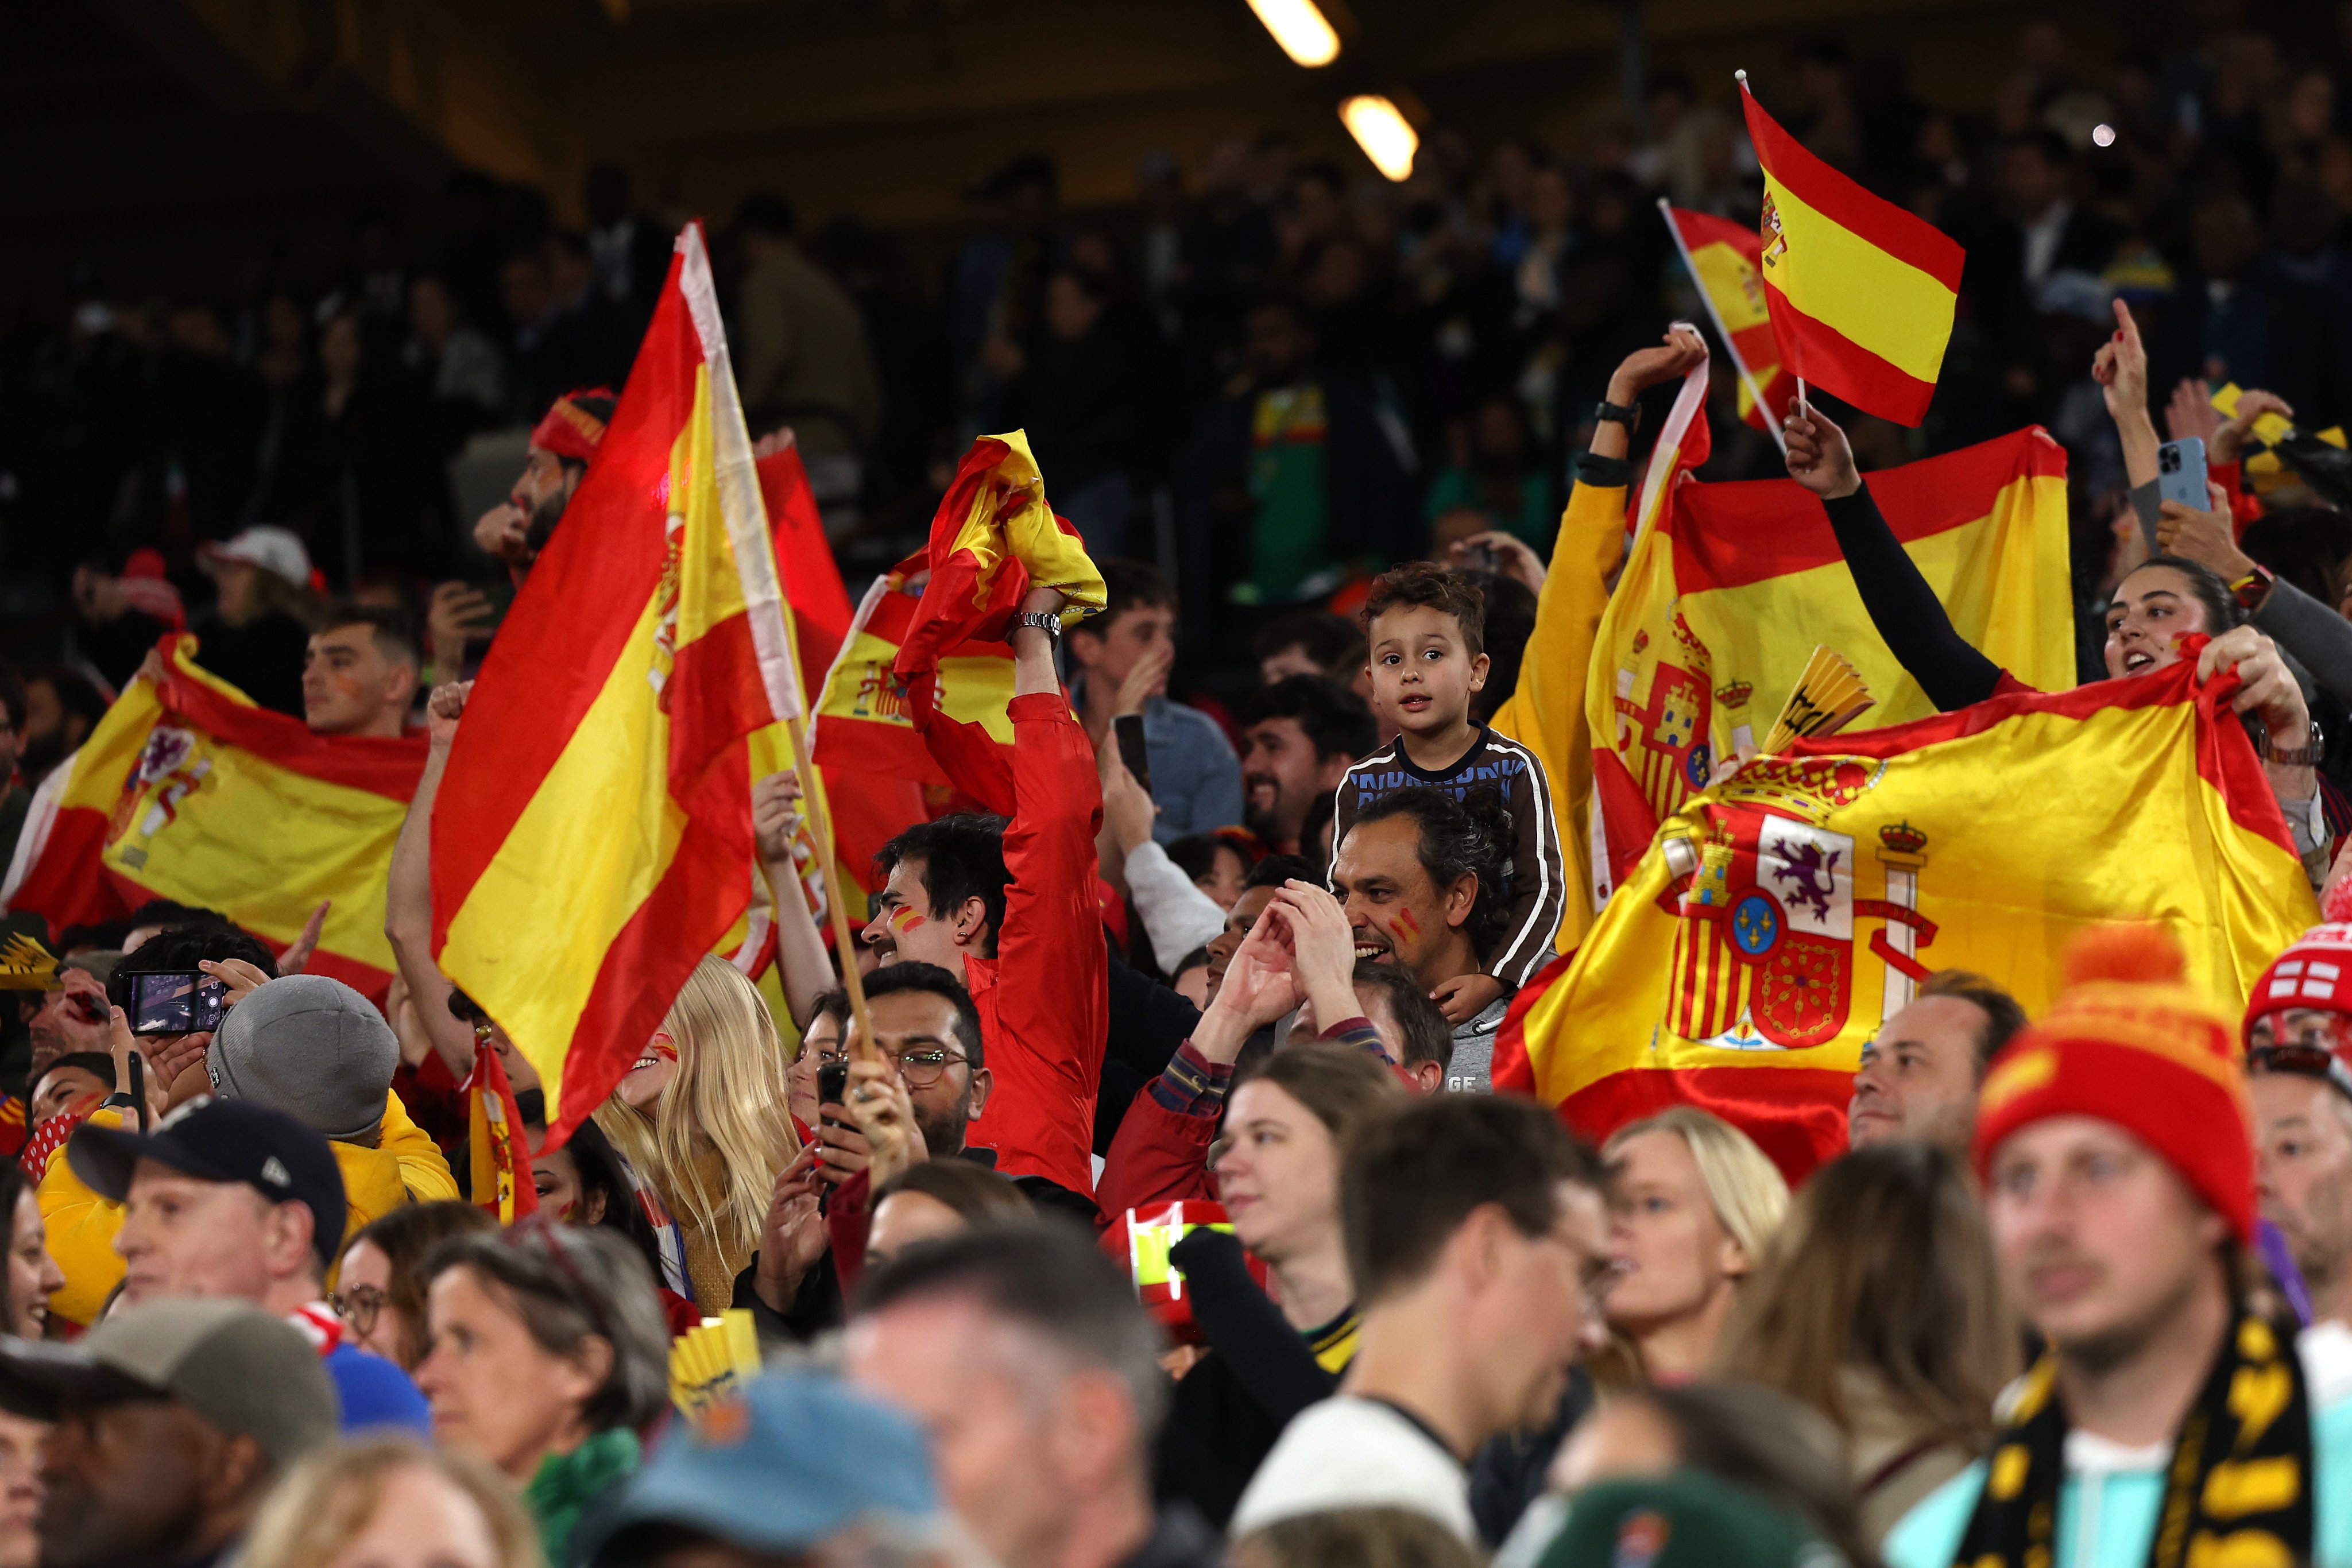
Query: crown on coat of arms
x=1903 y=838
x=1735 y=695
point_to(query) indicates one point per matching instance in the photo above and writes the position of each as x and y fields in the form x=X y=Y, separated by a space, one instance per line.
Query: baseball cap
x=223 y=1139
x=1685 y=1520
x=245 y=1370
x=312 y=1047
x=276 y=551
x=791 y=1461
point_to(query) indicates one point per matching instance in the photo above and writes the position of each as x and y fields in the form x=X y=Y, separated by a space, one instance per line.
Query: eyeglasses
x=358 y=1306
x=918 y=1069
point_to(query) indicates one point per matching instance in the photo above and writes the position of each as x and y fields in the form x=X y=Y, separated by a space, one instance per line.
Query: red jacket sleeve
x=1159 y=1156
x=1050 y=974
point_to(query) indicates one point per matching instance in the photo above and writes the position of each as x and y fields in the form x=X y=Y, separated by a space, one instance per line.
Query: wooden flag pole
x=845 y=946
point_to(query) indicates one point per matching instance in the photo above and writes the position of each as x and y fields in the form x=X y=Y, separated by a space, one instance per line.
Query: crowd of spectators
x=1153 y=1205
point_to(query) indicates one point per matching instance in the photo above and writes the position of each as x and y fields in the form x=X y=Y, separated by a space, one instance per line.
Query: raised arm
x=408 y=892
x=1908 y=615
x=801 y=958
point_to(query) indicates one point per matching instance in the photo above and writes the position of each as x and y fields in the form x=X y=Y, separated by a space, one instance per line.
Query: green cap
x=1686 y=1520
x=238 y=1366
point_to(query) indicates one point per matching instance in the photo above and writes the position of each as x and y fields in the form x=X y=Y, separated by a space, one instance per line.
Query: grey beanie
x=313 y=1048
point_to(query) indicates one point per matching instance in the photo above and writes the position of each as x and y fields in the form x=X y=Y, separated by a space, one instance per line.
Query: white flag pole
x=1755 y=395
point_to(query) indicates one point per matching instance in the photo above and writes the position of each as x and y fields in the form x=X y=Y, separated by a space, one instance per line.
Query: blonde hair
x=328 y=1499
x=731 y=1091
x=1748 y=1193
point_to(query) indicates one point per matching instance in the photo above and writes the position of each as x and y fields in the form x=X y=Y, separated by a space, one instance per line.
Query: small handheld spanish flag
x=498 y=1149
x=1861 y=293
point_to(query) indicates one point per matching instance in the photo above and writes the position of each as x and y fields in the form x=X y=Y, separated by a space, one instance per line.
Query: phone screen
x=1132 y=751
x=175 y=1002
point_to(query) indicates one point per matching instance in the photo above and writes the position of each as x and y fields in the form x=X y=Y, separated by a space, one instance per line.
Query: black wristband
x=1627 y=415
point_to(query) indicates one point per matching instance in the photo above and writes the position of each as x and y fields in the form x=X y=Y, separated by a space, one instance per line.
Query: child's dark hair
x=1424 y=582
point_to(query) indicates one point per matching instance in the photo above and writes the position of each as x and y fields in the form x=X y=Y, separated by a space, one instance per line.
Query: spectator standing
x=1475 y=1236
x=1498 y=483
x=458 y=365
x=360 y=672
x=1021 y=1353
x=260 y=623
x=171 y=1421
x=802 y=359
x=2121 y=1219
x=1123 y=657
x=1299 y=736
x=1920 y=1072
x=1693 y=1204
x=562 y=445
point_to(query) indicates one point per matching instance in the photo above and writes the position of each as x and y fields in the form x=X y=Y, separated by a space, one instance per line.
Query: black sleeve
x=1906 y=610
x=1267 y=1355
x=1148 y=1022
x=817 y=1307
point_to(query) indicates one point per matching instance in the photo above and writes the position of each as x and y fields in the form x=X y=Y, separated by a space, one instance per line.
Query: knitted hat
x=2315 y=972
x=2130 y=1041
x=312 y=1047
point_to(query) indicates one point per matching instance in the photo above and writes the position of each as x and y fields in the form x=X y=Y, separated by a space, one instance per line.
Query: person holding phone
x=1122 y=657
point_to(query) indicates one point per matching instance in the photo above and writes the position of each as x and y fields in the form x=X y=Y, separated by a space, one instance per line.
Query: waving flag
x=591 y=837
x=188 y=791
x=1783 y=916
x=1862 y=292
x=1724 y=259
x=497 y=1150
x=818 y=603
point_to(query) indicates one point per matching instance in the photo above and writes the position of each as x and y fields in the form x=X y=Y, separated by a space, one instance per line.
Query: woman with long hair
x=378 y=1293
x=702 y=1118
x=1878 y=1305
x=390 y=1498
x=1693 y=1201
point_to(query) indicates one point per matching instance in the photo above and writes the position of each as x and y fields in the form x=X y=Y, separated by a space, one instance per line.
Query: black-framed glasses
x=918 y=1069
x=358 y=1306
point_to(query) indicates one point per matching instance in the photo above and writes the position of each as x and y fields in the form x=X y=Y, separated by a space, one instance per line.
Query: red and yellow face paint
x=1404 y=930
x=904 y=922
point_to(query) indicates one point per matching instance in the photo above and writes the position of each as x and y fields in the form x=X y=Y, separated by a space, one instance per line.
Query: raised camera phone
x=2180 y=476
x=1128 y=727
x=174 y=1002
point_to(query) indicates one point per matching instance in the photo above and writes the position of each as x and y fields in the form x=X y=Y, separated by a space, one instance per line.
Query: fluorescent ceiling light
x=1381 y=132
x=1300 y=29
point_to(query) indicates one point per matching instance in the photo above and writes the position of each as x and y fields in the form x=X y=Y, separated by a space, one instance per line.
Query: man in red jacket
x=1023 y=929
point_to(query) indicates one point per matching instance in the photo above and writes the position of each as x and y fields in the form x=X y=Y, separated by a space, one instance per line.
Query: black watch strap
x=1627 y=415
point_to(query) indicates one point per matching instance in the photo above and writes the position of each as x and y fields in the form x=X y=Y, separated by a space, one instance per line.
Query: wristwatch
x=2297 y=756
x=1049 y=624
x=1626 y=413
x=2250 y=589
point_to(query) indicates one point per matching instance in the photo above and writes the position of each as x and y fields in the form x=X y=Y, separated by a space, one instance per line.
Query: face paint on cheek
x=1405 y=929
x=905 y=922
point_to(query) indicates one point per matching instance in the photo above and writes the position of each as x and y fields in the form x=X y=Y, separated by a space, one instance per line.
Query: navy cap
x=792 y=1462
x=224 y=1140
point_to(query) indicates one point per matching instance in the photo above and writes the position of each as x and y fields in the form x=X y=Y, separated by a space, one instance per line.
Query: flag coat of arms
x=189 y=791
x=1783 y=916
x=590 y=835
x=1861 y=293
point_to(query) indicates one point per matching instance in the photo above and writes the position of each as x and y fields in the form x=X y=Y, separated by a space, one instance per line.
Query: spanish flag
x=187 y=790
x=1783 y=916
x=1729 y=588
x=592 y=835
x=498 y=1149
x=1861 y=293
x=1725 y=260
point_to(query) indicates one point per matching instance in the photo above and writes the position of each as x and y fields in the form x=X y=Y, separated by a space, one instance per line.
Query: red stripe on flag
x=1796 y=1114
x=67 y=884
x=1901 y=235
x=1740 y=532
x=714 y=688
x=699 y=895
x=548 y=663
x=1844 y=368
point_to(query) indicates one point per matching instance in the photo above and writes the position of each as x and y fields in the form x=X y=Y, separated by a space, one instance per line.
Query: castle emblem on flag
x=1769 y=229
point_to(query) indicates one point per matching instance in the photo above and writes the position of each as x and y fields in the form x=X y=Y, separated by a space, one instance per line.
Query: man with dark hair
x=1421 y=876
x=925 y=1022
x=360 y=672
x=1023 y=1351
x=1312 y=643
x=176 y=948
x=167 y=1426
x=61 y=708
x=2051 y=234
x=1478 y=1244
x=1920 y=1077
x=1265 y=880
x=1409 y=1024
x=1008 y=908
x=802 y=355
x=1298 y=737
x=561 y=447
x=1123 y=656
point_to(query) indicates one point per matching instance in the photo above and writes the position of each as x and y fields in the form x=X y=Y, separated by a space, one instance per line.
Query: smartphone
x=2180 y=474
x=1481 y=557
x=832 y=1081
x=174 y=1002
x=1132 y=751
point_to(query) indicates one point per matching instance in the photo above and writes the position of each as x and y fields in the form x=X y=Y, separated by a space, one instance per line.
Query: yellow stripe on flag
x=1844 y=282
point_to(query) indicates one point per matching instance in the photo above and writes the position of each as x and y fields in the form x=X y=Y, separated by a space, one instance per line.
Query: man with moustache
x=1421 y=877
x=2111 y=1139
x=1299 y=736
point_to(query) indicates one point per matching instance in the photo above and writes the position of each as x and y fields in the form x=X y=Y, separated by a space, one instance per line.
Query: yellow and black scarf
x=2237 y=1491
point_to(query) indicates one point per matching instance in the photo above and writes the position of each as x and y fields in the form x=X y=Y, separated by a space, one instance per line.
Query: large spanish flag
x=1729 y=588
x=1781 y=916
x=1860 y=292
x=187 y=790
x=1725 y=260
x=591 y=837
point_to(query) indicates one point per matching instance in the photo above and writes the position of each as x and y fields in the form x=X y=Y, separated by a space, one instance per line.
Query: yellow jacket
x=405 y=1165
